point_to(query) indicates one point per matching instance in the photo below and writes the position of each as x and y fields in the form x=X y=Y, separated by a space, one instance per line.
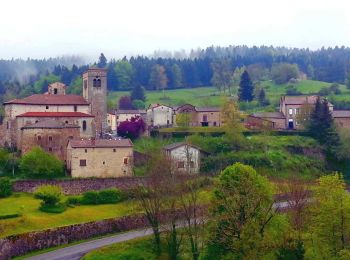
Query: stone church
x=50 y=120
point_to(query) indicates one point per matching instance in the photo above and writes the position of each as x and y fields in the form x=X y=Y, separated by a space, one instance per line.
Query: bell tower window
x=96 y=82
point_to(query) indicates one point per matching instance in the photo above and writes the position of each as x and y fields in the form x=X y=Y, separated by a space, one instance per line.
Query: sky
x=48 y=28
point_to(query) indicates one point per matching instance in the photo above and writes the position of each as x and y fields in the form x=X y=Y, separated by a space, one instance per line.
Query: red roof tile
x=49 y=99
x=54 y=114
x=100 y=143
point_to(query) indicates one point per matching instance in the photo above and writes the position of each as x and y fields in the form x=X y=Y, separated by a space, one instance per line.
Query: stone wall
x=22 y=244
x=77 y=186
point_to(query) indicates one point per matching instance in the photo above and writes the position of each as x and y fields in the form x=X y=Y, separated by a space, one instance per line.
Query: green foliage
x=108 y=196
x=125 y=73
x=329 y=224
x=58 y=208
x=9 y=216
x=158 y=79
x=283 y=72
x=138 y=93
x=50 y=194
x=246 y=88
x=291 y=90
x=41 y=85
x=39 y=164
x=5 y=187
x=76 y=86
x=175 y=78
x=138 y=104
x=222 y=75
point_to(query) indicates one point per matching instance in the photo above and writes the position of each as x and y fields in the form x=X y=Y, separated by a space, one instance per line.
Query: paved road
x=75 y=252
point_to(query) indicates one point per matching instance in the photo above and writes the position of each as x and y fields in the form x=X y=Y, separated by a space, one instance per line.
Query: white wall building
x=159 y=116
x=186 y=157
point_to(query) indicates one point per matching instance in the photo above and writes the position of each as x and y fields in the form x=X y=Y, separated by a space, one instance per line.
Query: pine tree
x=262 y=98
x=138 y=93
x=246 y=88
x=102 y=61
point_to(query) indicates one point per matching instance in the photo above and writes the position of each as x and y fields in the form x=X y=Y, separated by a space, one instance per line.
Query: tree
x=184 y=119
x=125 y=103
x=303 y=116
x=132 y=129
x=246 y=88
x=222 y=75
x=175 y=78
x=347 y=80
x=39 y=164
x=138 y=92
x=125 y=74
x=321 y=125
x=138 y=104
x=232 y=120
x=242 y=214
x=263 y=101
x=102 y=61
x=158 y=78
x=329 y=225
x=51 y=196
x=5 y=187
x=283 y=72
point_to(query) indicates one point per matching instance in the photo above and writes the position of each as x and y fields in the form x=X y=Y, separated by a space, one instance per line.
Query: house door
x=290 y=124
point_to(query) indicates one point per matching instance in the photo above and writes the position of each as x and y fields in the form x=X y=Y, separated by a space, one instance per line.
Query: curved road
x=75 y=252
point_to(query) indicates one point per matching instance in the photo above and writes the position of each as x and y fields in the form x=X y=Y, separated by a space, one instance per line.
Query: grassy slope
x=209 y=96
x=33 y=219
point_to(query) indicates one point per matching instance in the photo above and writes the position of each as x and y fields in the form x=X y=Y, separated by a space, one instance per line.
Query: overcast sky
x=44 y=28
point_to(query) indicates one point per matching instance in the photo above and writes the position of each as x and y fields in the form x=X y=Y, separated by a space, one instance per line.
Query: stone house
x=257 y=122
x=342 y=118
x=185 y=157
x=277 y=119
x=159 y=116
x=198 y=116
x=112 y=121
x=100 y=158
x=51 y=135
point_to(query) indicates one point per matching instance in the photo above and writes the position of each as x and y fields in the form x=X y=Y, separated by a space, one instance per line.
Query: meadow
x=210 y=96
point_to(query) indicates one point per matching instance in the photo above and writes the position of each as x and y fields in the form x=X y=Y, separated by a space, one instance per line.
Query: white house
x=186 y=157
x=159 y=115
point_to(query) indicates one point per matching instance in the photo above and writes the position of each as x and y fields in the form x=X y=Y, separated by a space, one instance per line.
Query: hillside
x=210 y=96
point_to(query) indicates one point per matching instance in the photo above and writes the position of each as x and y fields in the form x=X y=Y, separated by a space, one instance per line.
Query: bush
x=5 y=187
x=108 y=196
x=73 y=200
x=58 y=208
x=49 y=194
x=8 y=216
x=90 y=198
x=39 y=164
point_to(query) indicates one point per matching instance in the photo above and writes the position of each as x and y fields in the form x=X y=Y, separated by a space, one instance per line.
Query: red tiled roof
x=54 y=114
x=49 y=99
x=100 y=143
x=341 y=113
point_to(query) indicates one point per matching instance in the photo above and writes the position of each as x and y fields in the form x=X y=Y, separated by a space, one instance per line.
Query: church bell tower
x=95 y=92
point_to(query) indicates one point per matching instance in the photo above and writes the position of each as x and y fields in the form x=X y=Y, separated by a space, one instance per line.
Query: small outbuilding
x=186 y=157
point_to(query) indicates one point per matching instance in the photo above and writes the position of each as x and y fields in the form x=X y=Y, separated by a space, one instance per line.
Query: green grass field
x=210 y=96
x=33 y=219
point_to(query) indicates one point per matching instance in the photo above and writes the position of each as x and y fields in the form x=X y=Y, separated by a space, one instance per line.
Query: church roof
x=100 y=143
x=54 y=114
x=49 y=99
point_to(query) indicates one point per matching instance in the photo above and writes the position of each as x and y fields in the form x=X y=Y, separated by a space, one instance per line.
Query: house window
x=50 y=149
x=291 y=111
x=39 y=138
x=75 y=108
x=114 y=150
x=70 y=137
x=126 y=161
x=85 y=83
x=214 y=124
x=66 y=122
x=84 y=125
x=205 y=118
x=82 y=162
x=7 y=125
x=47 y=107
x=180 y=164
x=85 y=150
x=103 y=162
x=55 y=91
x=50 y=138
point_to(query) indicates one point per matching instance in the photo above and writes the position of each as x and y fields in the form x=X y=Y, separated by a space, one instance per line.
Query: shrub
x=58 y=208
x=8 y=216
x=38 y=164
x=108 y=196
x=49 y=194
x=73 y=200
x=5 y=187
x=90 y=198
